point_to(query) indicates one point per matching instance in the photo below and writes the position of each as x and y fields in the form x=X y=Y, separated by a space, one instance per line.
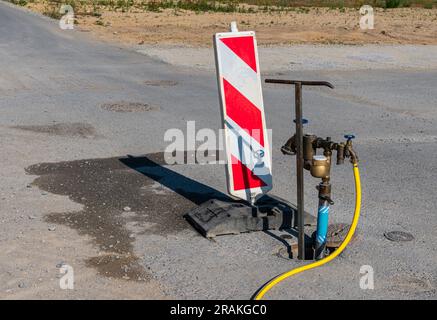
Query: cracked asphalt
x=84 y=181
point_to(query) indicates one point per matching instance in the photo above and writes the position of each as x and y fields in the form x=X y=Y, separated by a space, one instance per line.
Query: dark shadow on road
x=121 y=198
x=190 y=189
x=282 y=240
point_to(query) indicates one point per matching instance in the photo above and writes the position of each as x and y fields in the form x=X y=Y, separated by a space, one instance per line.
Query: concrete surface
x=70 y=193
x=308 y=57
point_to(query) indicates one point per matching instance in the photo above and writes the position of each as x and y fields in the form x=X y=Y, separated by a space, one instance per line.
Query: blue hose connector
x=322 y=230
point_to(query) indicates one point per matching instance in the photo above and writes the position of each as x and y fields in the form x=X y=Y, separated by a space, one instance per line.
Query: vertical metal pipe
x=299 y=167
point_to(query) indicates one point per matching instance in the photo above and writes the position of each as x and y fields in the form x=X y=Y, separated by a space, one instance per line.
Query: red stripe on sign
x=244 y=48
x=243 y=112
x=243 y=177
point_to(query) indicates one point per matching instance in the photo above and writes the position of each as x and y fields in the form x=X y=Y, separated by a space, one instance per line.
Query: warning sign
x=248 y=155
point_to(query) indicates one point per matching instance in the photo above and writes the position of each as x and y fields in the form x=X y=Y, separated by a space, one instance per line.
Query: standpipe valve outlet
x=320 y=167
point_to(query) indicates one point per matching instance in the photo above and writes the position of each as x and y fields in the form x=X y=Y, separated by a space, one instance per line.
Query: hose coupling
x=349 y=152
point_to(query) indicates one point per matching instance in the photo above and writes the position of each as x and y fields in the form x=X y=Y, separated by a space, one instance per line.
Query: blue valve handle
x=304 y=121
x=349 y=136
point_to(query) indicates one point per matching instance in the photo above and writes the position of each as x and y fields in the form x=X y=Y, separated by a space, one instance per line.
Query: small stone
x=22 y=285
x=32 y=217
x=52 y=228
x=126 y=209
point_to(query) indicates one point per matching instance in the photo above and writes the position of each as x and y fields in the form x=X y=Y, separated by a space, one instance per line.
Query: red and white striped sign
x=249 y=173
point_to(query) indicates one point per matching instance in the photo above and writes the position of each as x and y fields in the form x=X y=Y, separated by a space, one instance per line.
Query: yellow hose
x=333 y=255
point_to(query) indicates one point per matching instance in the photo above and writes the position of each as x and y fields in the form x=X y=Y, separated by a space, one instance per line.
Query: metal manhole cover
x=398 y=236
x=336 y=234
x=124 y=106
x=411 y=284
x=160 y=83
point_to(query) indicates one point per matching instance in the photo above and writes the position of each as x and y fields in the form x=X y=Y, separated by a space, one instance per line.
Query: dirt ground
x=311 y=25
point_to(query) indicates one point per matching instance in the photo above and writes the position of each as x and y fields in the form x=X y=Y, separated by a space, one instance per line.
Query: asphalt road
x=72 y=110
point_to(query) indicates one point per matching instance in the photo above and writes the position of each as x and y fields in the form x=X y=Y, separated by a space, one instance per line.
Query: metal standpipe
x=299 y=173
x=299 y=154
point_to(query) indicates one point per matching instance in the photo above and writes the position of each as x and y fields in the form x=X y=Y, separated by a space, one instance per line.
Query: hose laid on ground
x=333 y=255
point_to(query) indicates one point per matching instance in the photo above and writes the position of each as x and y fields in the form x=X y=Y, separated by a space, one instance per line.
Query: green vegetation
x=343 y=3
x=197 y=5
x=392 y=3
x=244 y=6
x=52 y=12
x=19 y=2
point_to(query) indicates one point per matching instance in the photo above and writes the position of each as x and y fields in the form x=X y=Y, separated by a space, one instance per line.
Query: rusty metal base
x=337 y=233
x=215 y=217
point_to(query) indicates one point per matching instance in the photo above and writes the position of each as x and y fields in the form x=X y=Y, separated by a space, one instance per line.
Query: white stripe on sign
x=239 y=74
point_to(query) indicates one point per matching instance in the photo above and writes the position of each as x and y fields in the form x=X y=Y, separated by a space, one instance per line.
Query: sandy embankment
x=302 y=39
x=295 y=26
x=310 y=57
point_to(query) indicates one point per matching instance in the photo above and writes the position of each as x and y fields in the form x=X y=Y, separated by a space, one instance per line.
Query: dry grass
x=243 y=6
x=188 y=22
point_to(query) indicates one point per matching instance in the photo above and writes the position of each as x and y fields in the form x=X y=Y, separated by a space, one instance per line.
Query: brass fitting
x=309 y=150
x=320 y=167
x=310 y=145
x=289 y=148
x=349 y=152
x=340 y=153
